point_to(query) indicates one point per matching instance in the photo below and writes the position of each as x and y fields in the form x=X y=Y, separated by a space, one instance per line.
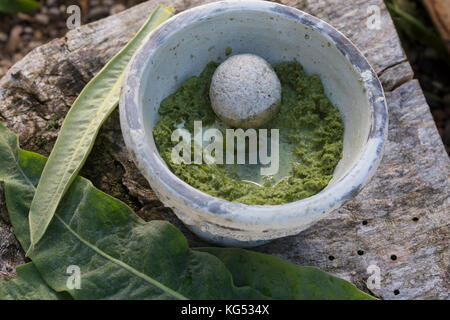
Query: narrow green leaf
x=119 y=255
x=27 y=285
x=278 y=279
x=80 y=128
x=15 y=6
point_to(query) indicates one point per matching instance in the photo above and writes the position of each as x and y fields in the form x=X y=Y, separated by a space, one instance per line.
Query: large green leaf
x=80 y=128
x=120 y=256
x=14 y=6
x=278 y=279
x=27 y=285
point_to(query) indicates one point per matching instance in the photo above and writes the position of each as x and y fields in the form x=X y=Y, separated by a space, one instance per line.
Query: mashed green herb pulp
x=308 y=123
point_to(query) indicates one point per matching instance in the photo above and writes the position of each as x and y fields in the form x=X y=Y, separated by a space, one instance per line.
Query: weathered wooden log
x=398 y=223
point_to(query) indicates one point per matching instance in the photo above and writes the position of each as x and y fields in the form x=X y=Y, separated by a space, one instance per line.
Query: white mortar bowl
x=183 y=45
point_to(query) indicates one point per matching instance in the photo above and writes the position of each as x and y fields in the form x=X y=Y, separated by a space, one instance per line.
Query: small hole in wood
x=360 y=252
x=415 y=219
x=394 y=257
x=331 y=258
x=396 y=292
x=364 y=222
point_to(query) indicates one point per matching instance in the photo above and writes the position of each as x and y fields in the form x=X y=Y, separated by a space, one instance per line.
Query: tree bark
x=439 y=11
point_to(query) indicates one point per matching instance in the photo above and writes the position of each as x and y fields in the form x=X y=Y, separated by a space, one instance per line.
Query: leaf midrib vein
x=122 y=264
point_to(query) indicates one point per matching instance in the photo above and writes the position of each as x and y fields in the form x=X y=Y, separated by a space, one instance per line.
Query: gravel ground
x=21 y=33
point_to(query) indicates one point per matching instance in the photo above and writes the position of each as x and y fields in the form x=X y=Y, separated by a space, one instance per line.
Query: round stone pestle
x=245 y=92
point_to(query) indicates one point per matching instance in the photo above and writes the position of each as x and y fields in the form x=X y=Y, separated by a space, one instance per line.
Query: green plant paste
x=308 y=124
